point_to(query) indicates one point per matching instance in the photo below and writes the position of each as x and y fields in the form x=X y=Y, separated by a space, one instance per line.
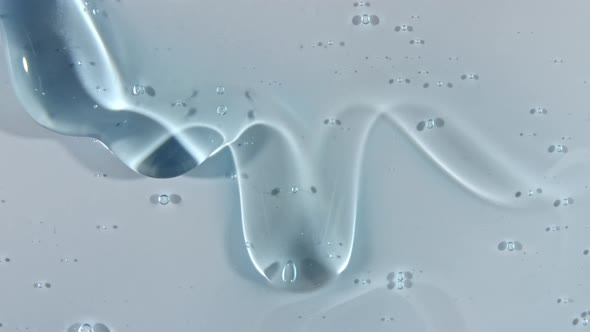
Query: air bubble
x=538 y=111
x=138 y=90
x=510 y=246
x=38 y=285
x=332 y=121
x=557 y=148
x=430 y=124
x=85 y=328
x=294 y=189
x=366 y=19
x=417 y=41
x=178 y=103
x=163 y=199
x=221 y=110
x=289 y=273
x=404 y=28
x=470 y=76
x=220 y=90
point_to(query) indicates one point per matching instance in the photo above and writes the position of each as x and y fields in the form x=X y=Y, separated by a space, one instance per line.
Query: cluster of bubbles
x=552 y=228
x=399 y=80
x=430 y=124
x=67 y=260
x=365 y=19
x=332 y=122
x=439 y=84
x=178 y=103
x=399 y=280
x=530 y=192
x=105 y=227
x=41 y=285
x=470 y=76
x=362 y=282
x=164 y=199
x=528 y=134
x=538 y=111
x=583 y=319
x=293 y=190
x=563 y=202
x=509 y=246
x=564 y=300
x=387 y=319
x=86 y=327
x=404 y=28
x=138 y=90
x=417 y=41
x=559 y=148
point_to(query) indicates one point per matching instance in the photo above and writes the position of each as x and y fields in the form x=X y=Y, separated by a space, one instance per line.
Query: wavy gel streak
x=298 y=170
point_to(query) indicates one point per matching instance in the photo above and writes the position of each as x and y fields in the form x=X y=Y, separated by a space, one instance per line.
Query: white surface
x=184 y=266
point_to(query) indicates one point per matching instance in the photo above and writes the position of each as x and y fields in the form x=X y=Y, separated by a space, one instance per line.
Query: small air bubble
x=85 y=328
x=163 y=199
x=404 y=28
x=430 y=124
x=221 y=110
x=220 y=90
x=538 y=111
x=510 y=246
x=294 y=189
x=138 y=90
x=366 y=19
